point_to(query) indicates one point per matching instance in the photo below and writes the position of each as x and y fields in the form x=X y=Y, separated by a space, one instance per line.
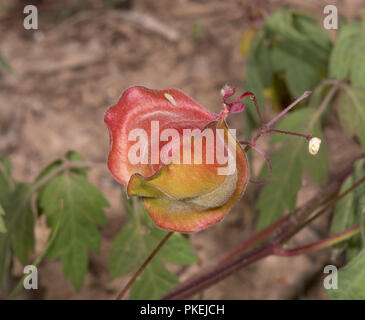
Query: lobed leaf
x=70 y=200
x=154 y=282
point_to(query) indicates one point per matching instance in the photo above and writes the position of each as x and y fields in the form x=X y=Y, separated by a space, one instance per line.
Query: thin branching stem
x=325 y=243
x=286 y=110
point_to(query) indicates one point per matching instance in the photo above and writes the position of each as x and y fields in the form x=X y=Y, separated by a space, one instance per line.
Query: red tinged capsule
x=180 y=158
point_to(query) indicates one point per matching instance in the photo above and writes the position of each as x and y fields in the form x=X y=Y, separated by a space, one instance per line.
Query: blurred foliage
x=2 y=225
x=69 y=201
x=289 y=161
x=18 y=218
x=351 y=279
x=351 y=110
x=349 y=211
x=291 y=54
x=74 y=212
x=288 y=56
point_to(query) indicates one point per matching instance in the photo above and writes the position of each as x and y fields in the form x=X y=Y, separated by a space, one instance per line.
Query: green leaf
x=288 y=162
x=254 y=84
x=292 y=46
x=2 y=224
x=79 y=206
x=75 y=261
x=71 y=156
x=6 y=181
x=345 y=215
x=153 y=283
x=351 y=109
x=351 y=280
x=19 y=221
x=285 y=58
x=127 y=251
x=349 y=211
x=16 y=216
x=178 y=249
x=307 y=39
x=259 y=56
x=312 y=30
x=258 y=77
x=299 y=49
x=280 y=193
x=347 y=58
x=304 y=121
x=4 y=249
x=134 y=244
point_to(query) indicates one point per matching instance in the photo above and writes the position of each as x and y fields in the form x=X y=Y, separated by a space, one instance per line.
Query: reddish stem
x=253 y=241
x=286 y=110
x=306 y=136
x=330 y=241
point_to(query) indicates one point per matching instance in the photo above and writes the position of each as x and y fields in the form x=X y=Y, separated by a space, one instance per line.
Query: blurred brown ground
x=66 y=74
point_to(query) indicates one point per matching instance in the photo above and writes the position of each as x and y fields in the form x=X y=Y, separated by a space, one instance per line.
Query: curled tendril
x=236 y=106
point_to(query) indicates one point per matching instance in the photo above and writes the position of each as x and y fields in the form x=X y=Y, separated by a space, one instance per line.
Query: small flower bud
x=227 y=92
x=314 y=145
